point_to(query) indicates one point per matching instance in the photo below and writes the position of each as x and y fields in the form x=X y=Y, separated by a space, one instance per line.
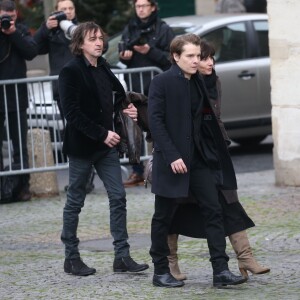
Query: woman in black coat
x=188 y=220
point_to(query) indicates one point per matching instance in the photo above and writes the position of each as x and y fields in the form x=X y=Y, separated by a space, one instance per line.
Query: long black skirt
x=188 y=219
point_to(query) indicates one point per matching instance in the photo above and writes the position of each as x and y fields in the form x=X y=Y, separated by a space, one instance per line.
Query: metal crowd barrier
x=44 y=119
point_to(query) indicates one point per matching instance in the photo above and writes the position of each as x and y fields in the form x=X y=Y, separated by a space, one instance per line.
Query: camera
x=139 y=40
x=5 y=21
x=68 y=28
x=59 y=15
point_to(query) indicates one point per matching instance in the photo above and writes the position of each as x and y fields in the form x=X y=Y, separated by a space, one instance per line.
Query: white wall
x=205 y=7
x=284 y=24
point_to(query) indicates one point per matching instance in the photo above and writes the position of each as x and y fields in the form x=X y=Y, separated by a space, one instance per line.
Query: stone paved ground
x=31 y=254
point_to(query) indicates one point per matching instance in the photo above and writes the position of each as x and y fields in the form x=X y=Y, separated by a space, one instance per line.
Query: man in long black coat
x=16 y=46
x=190 y=155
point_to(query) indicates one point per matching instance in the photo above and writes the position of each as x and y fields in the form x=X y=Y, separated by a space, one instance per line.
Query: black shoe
x=127 y=264
x=166 y=280
x=77 y=267
x=227 y=278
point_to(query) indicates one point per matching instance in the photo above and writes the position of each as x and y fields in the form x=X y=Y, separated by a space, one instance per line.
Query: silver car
x=242 y=63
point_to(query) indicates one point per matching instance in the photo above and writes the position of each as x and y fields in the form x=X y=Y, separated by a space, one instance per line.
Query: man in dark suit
x=86 y=88
x=190 y=156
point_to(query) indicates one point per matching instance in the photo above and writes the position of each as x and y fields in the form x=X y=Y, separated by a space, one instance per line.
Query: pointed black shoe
x=166 y=280
x=227 y=278
x=127 y=264
x=77 y=267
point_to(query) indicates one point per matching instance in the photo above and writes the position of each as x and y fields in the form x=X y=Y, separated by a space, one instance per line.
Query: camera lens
x=5 y=22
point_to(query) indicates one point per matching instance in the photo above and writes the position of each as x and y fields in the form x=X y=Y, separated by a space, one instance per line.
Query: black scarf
x=136 y=22
x=211 y=84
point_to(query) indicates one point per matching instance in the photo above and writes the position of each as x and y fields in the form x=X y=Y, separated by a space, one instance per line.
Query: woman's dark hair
x=180 y=41
x=207 y=50
x=80 y=33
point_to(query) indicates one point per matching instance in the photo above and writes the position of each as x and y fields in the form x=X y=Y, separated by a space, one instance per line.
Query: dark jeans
x=203 y=188
x=108 y=168
x=18 y=138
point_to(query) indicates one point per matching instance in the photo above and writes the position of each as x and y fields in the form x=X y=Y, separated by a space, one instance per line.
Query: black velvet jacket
x=85 y=134
x=54 y=43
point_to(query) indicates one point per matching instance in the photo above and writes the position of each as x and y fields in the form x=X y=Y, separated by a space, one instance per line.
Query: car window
x=230 y=42
x=112 y=54
x=261 y=29
x=178 y=30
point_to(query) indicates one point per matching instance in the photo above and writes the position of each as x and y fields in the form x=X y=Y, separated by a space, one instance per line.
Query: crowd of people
x=193 y=178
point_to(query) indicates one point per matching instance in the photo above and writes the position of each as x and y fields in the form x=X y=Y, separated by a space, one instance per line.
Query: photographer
x=51 y=40
x=16 y=46
x=145 y=42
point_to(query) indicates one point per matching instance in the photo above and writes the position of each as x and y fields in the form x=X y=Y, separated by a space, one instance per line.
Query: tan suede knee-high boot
x=173 y=258
x=246 y=261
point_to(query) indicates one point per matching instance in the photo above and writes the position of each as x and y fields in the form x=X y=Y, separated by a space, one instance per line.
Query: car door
x=238 y=75
x=262 y=61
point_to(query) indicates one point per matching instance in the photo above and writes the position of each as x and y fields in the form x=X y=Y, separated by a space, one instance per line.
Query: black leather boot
x=227 y=278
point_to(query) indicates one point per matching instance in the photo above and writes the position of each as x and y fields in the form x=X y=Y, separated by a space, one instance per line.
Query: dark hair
x=7 y=5
x=180 y=41
x=80 y=33
x=207 y=50
x=152 y=2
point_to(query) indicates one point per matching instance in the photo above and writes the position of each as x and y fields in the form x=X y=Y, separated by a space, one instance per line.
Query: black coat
x=15 y=49
x=188 y=219
x=170 y=122
x=84 y=134
x=54 y=43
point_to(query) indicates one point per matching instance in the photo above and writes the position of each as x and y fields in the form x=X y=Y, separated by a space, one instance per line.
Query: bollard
x=42 y=184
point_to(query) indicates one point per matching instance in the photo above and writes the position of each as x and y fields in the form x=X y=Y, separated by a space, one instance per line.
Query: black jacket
x=15 y=49
x=159 y=40
x=131 y=131
x=54 y=43
x=170 y=122
x=84 y=134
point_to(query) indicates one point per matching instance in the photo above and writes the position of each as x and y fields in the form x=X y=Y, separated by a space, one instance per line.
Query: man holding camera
x=16 y=46
x=145 y=42
x=51 y=40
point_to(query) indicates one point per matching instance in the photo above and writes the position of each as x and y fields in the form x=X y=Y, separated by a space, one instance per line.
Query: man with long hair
x=86 y=88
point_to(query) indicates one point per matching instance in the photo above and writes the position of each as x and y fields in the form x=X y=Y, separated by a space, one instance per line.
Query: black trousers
x=203 y=188
x=19 y=146
x=18 y=138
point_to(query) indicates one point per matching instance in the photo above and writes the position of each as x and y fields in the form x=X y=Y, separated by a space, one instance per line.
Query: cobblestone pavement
x=31 y=254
